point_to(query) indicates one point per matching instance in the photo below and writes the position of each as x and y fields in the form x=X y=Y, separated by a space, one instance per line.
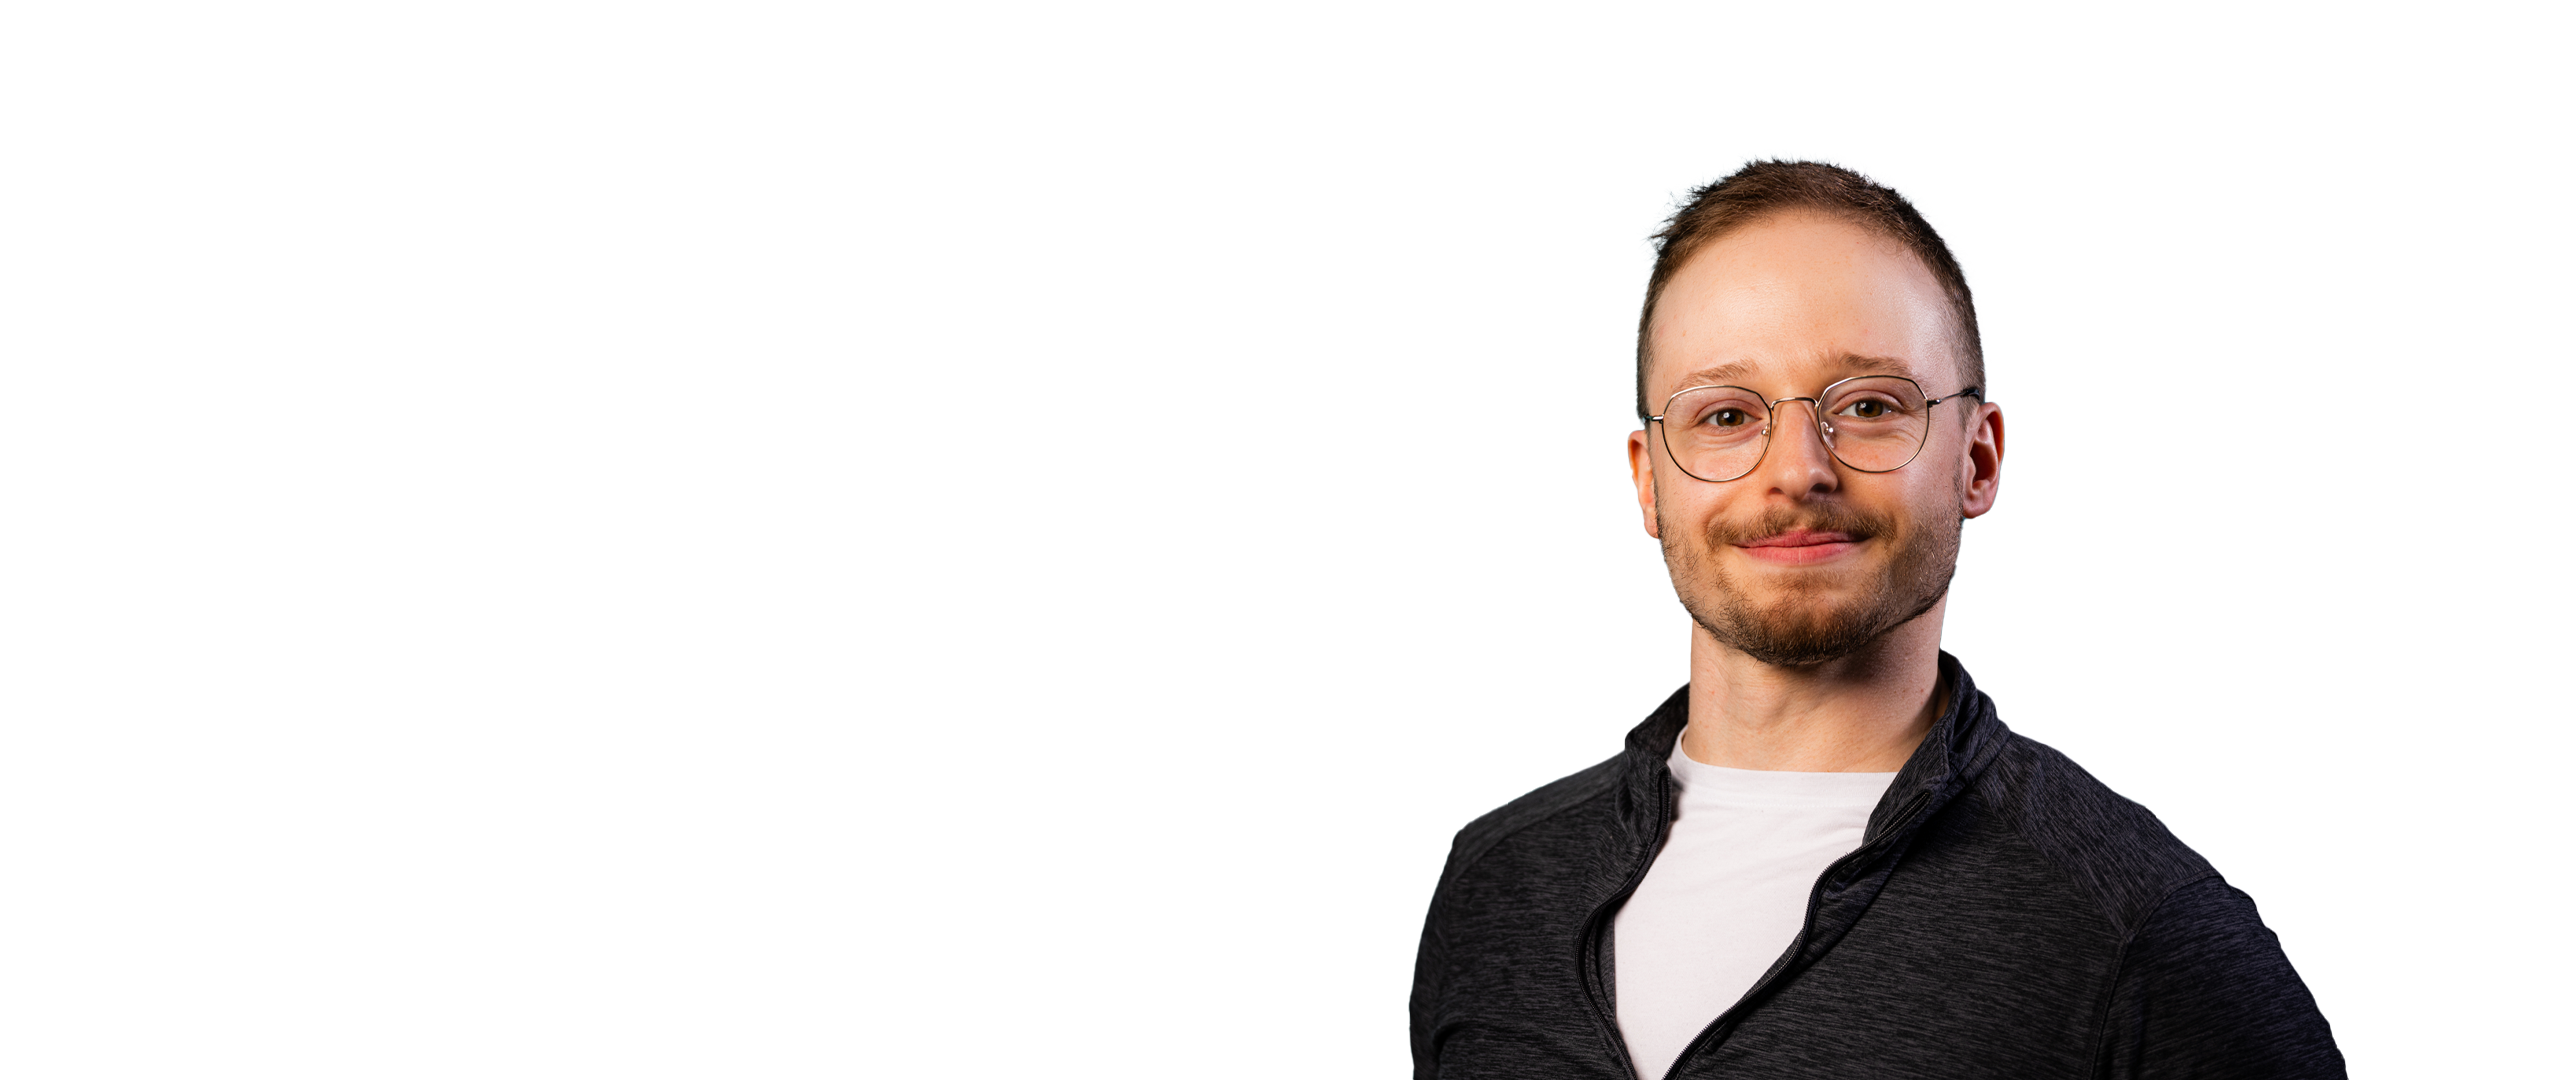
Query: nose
x=1798 y=461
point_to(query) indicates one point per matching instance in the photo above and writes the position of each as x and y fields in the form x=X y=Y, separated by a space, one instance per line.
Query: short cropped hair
x=1763 y=188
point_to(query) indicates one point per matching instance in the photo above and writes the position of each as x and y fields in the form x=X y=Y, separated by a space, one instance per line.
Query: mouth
x=1798 y=547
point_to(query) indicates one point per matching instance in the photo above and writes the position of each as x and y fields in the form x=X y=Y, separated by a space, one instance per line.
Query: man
x=1826 y=856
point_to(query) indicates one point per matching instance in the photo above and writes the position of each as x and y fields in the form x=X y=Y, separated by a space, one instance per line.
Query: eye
x=1716 y=411
x=1867 y=409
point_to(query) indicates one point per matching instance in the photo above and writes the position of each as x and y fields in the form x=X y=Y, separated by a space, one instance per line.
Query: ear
x=1986 y=442
x=1640 y=459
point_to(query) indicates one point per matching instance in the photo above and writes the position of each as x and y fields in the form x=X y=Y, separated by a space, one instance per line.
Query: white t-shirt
x=1727 y=894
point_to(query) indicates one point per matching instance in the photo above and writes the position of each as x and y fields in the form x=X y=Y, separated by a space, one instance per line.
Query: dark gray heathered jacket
x=2007 y=916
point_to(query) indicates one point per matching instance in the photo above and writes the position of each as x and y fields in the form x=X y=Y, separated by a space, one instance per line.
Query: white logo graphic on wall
x=2041 y=610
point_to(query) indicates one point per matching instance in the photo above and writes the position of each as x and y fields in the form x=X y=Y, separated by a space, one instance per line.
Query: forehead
x=1792 y=302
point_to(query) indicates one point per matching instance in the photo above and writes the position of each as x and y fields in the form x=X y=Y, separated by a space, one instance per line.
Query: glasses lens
x=1875 y=424
x=1714 y=431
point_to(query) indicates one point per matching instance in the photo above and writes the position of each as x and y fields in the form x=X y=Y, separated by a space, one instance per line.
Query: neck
x=1865 y=712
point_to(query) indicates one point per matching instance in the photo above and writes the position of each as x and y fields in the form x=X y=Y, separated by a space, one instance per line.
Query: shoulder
x=1585 y=789
x=2204 y=989
x=2117 y=852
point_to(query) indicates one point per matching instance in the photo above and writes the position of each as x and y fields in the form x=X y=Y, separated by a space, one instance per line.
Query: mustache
x=1841 y=519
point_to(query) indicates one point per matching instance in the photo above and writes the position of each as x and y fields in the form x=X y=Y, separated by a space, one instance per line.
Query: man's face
x=1802 y=560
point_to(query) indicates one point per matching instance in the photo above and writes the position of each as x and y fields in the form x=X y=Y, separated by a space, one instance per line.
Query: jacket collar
x=1959 y=745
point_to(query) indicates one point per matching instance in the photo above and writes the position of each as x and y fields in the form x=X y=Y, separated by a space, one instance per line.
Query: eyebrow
x=1719 y=375
x=1880 y=365
x=1856 y=365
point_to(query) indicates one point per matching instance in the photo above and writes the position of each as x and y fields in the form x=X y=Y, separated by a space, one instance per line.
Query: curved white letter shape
x=2044 y=618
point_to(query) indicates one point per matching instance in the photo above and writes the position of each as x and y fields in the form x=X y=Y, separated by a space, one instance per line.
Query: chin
x=1805 y=625
x=1796 y=654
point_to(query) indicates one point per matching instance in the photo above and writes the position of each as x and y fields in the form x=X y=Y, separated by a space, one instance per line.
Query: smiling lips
x=1800 y=546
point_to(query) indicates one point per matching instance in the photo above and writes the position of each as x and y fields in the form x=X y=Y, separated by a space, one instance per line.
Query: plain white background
x=549 y=539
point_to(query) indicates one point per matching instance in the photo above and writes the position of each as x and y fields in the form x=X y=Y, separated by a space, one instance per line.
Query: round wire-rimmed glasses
x=1870 y=423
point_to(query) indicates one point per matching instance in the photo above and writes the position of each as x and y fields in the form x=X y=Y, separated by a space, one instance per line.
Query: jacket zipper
x=1795 y=949
x=1608 y=908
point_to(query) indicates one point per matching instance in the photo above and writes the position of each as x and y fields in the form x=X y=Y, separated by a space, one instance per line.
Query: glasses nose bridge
x=1812 y=411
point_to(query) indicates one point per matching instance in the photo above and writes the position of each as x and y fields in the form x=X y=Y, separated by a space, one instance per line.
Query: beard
x=1799 y=622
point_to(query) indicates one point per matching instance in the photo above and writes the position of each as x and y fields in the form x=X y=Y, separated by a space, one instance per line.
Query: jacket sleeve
x=2204 y=990
x=1424 y=1005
